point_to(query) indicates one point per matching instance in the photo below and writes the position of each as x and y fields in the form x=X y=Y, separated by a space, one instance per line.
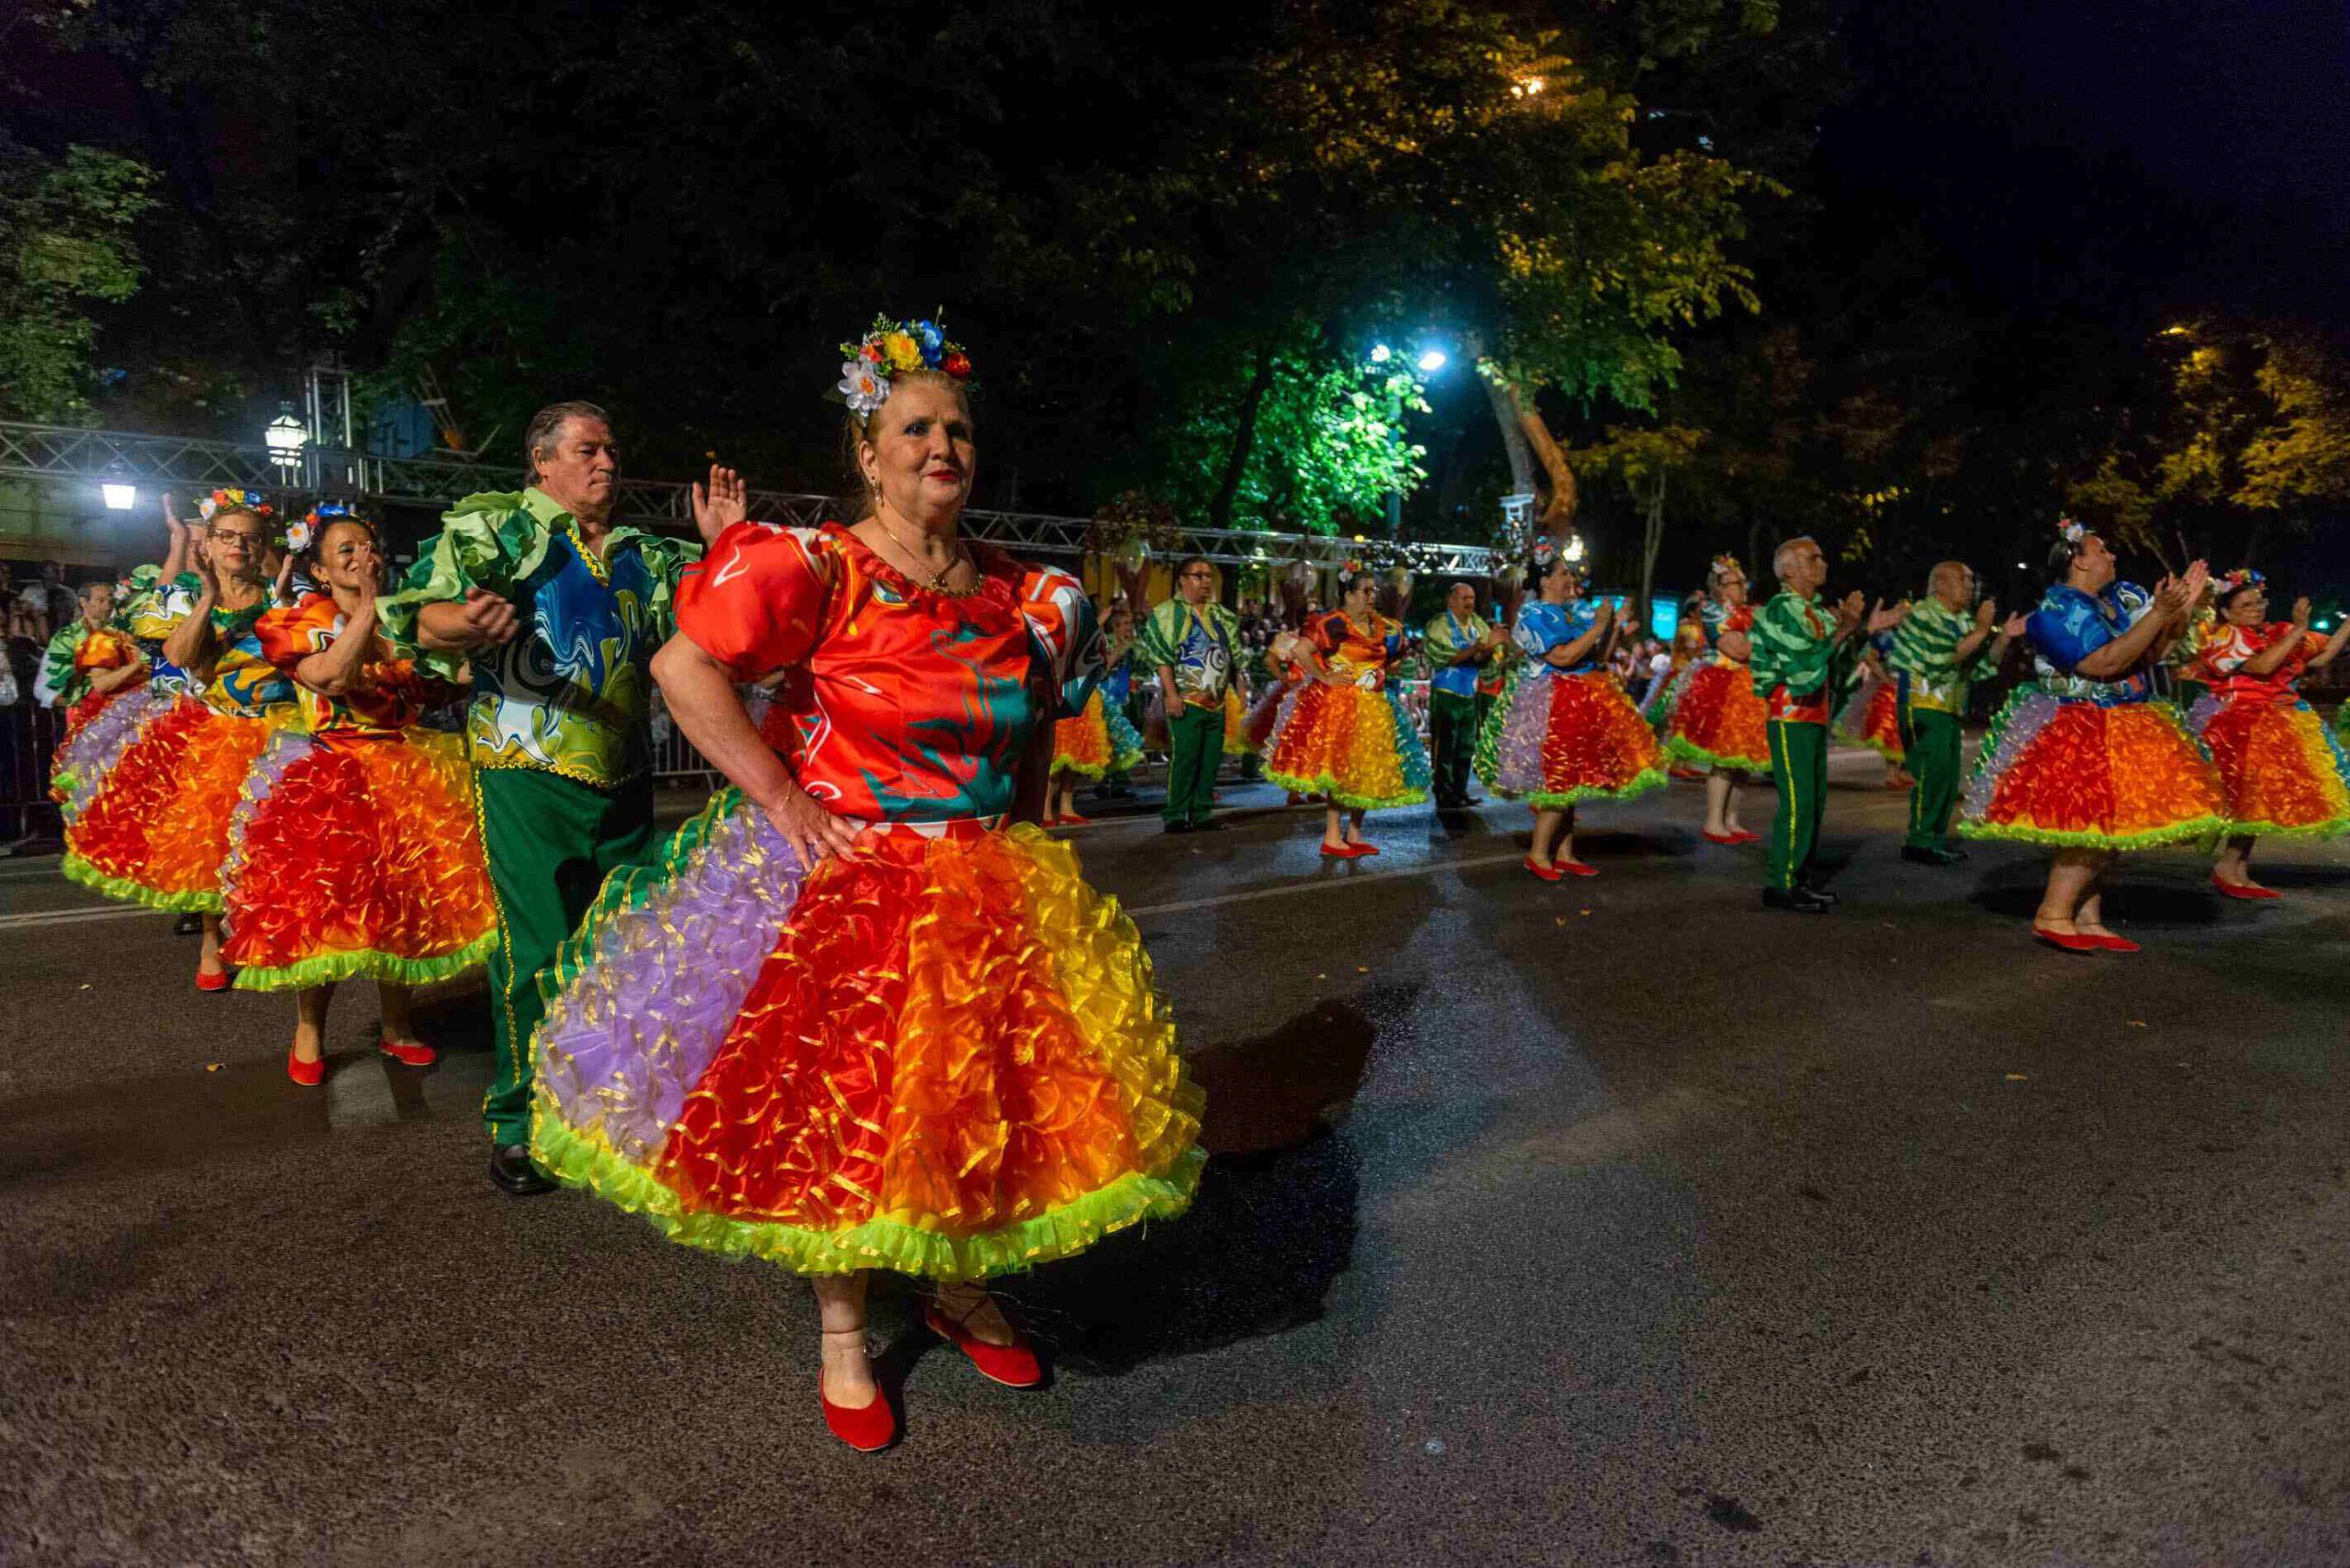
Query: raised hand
x=2012 y=627
x=489 y=620
x=1883 y=620
x=1987 y=613
x=370 y=566
x=726 y=502
x=1850 y=608
x=2199 y=578
x=2301 y=613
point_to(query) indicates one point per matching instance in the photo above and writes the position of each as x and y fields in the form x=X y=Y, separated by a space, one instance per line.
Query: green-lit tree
x=65 y=247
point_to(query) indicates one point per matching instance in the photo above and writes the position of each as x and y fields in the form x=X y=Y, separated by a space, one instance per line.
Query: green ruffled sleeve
x=490 y=541
x=666 y=559
x=1159 y=642
x=56 y=677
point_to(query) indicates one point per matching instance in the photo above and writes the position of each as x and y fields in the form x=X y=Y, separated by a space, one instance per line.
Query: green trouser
x=549 y=842
x=1930 y=742
x=1452 y=730
x=1195 y=750
x=1800 y=770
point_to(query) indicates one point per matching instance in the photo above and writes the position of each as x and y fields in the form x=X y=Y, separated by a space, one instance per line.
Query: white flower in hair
x=863 y=385
x=299 y=535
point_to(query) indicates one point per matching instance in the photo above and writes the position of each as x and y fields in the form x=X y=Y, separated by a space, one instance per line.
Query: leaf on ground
x=2018 y=1077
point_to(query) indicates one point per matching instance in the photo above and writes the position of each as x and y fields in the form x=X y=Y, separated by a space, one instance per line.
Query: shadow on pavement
x=1273 y=1223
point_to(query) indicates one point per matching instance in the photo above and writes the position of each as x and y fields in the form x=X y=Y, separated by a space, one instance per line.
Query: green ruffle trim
x=2153 y=838
x=2327 y=829
x=1845 y=737
x=201 y=902
x=365 y=963
x=586 y=1160
x=1082 y=769
x=1691 y=753
x=1325 y=785
x=1548 y=800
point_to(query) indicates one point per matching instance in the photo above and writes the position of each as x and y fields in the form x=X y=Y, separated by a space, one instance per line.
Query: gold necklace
x=935 y=581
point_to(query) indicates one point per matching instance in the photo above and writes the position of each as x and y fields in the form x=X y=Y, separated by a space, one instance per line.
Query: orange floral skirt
x=157 y=831
x=2281 y=771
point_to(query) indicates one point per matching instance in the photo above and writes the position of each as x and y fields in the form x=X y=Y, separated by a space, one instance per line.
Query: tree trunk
x=1529 y=442
x=1652 y=541
x=1244 y=438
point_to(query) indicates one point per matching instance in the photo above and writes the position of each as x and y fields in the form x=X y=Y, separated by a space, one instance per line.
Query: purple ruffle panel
x=91 y=754
x=631 y=1034
x=2028 y=715
x=2200 y=714
x=282 y=750
x=1517 y=751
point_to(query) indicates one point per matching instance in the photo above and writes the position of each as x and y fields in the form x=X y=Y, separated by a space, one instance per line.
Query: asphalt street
x=1609 y=1222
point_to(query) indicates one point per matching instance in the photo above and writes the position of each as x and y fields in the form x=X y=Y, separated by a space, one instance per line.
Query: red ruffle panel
x=2275 y=766
x=2118 y=772
x=162 y=821
x=1597 y=739
x=1720 y=713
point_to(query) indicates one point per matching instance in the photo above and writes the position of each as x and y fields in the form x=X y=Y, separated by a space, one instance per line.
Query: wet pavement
x=1604 y=1222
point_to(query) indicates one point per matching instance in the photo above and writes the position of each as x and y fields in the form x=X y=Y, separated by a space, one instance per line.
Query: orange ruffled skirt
x=356 y=856
x=157 y=831
x=943 y=1056
x=2065 y=771
x=1718 y=722
x=1873 y=719
x=2281 y=771
x=1096 y=741
x=1353 y=745
x=1557 y=740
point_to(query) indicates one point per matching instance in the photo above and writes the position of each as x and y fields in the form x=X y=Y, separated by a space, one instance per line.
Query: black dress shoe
x=1179 y=827
x=1212 y=825
x=1956 y=853
x=1795 y=900
x=1823 y=894
x=1925 y=856
x=517 y=1175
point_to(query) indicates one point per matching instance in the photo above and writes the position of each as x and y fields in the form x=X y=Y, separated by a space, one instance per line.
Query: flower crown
x=2241 y=578
x=889 y=350
x=234 y=500
x=304 y=533
x=1725 y=566
x=2070 y=530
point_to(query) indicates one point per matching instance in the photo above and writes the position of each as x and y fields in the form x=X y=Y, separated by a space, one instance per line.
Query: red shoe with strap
x=1014 y=1365
x=407 y=1053
x=2244 y=889
x=1743 y=836
x=220 y=981
x=308 y=1074
x=867 y=1428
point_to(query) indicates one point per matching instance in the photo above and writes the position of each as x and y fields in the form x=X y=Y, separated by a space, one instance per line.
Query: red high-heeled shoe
x=867 y=1428
x=1014 y=1365
x=308 y=1074
x=220 y=981
x=1337 y=851
x=1727 y=838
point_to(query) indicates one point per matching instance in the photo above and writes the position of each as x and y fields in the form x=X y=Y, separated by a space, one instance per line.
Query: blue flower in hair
x=932 y=343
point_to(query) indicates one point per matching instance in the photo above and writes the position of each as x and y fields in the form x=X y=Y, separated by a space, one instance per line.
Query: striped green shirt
x=1795 y=646
x=1925 y=648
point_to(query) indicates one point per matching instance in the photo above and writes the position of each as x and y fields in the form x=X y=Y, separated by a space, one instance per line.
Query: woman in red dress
x=1718 y=722
x=355 y=852
x=863 y=1012
x=1345 y=735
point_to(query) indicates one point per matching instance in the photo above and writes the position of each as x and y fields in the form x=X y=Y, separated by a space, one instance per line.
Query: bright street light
x=285 y=436
x=1432 y=361
x=119 y=498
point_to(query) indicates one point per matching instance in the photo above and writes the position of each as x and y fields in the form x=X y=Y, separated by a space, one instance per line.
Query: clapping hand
x=1883 y=620
x=726 y=502
x=2199 y=578
x=489 y=620
x=2012 y=627
x=370 y=568
x=1986 y=613
x=1849 y=610
x=2301 y=614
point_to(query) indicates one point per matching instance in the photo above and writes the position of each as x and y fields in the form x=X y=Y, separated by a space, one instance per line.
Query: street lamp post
x=285 y=436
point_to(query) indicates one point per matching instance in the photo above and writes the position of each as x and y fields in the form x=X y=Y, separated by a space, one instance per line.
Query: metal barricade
x=29 y=737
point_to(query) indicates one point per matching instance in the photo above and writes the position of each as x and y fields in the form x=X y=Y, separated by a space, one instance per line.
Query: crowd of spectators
x=34 y=602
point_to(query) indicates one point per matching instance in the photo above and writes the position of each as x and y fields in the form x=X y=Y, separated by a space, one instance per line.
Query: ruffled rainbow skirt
x=1872 y=718
x=2065 y=771
x=1096 y=741
x=91 y=748
x=156 y=831
x=941 y=1057
x=1237 y=739
x=2281 y=771
x=351 y=857
x=1554 y=740
x=1357 y=746
x=1717 y=720
x=1268 y=709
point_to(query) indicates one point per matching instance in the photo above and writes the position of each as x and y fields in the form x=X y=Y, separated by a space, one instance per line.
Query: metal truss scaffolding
x=62 y=454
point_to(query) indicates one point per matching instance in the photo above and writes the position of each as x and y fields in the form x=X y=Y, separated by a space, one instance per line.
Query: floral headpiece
x=2072 y=531
x=234 y=500
x=1725 y=566
x=889 y=350
x=2241 y=578
x=304 y=533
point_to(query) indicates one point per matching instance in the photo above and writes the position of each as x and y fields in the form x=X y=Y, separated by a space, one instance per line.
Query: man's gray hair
x=1785 y=554
x=546 y=427
x=1945 y=572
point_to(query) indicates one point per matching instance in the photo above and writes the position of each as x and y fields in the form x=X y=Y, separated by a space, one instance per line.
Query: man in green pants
x=1798 y=648
x=1460 y=645
x=559 y=613
x=1947 y=642
x=1187 y=640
